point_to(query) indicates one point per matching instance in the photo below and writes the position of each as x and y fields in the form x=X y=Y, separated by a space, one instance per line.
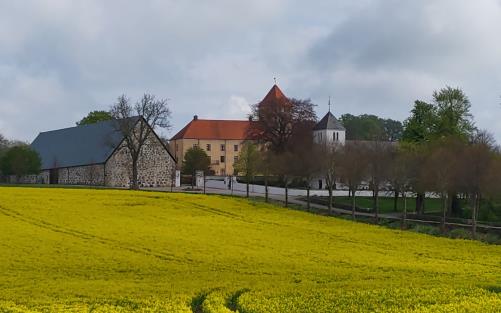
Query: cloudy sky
x=60 y=59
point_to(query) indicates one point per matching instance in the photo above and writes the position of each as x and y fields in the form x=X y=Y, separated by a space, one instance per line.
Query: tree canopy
x=20 y=160
x=371 y=127
x=447 y=116
x=195 y=159
x=94 y=117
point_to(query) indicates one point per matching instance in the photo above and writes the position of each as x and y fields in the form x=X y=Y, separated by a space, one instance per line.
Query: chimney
x=195 y=117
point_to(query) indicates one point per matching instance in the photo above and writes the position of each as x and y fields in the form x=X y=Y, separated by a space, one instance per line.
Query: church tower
x=329 y=130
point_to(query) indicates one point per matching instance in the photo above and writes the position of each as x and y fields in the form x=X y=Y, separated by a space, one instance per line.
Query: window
x=223 y=147
x=334 y=136
x=208 y=147
x=222 y=159
x=235 y=158
x=337 y=136
x=235 y=148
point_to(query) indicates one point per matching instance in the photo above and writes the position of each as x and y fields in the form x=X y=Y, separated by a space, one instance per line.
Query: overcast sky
x=61 y=59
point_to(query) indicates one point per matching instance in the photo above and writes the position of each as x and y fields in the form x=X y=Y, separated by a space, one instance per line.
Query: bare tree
x=352 y=165
x=329 y=168
x=439 y=174
x=136 y=123
x=378 y=164
x=277 y=122
x=477 y=164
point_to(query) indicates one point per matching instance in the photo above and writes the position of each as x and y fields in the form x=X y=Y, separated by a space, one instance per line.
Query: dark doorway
x=54 y=176
x=319 y=184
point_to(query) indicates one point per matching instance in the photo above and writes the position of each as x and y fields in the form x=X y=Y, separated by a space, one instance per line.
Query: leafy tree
x=20 y=160
x=369 y=127
x=420 y=126
x=248 y=163
x=94 y=117
x=453 y=112
x=195 y=159
x=136 y=123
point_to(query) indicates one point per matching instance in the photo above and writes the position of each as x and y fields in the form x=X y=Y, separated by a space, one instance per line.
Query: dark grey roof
x=329 y=122
x=80 y=145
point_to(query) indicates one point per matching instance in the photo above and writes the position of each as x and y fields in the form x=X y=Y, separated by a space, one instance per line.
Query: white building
x=329 y=131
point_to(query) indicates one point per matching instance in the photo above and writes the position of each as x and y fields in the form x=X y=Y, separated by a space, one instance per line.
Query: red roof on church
x=275 y=95
x=227 y=129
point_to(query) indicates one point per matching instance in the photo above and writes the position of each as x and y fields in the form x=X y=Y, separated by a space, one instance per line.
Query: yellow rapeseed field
x=79 y=250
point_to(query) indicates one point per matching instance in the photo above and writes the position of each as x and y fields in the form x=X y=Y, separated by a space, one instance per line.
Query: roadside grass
x=87 y=250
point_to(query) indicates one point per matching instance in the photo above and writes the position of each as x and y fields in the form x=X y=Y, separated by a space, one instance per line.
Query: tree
x=369 y=127
x=276 y=123
x=248 y=163
x=440 y=169
x=453 y=113
x=400 y=177
x=476 y=168
x=20 y=161
x=195 y=159
x=94 y=117
x=265 y=167
x=420 y=126
x=306 y=163
x=378 y=165
x=137 y=123
x=352 y=166
x=329 y=168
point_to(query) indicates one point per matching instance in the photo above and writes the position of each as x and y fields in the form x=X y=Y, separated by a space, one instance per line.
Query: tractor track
x=86 y=236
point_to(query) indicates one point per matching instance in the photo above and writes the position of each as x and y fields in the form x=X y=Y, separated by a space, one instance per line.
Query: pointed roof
x=79 y=145
x=329 y=121
x=275 y=95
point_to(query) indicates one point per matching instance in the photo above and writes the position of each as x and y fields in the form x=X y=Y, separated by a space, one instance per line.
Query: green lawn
x=386 y=204
x=84 y=250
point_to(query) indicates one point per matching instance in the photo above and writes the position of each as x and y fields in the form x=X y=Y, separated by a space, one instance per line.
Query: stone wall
x=42 y=178
x=82 y=175
x=155 y=169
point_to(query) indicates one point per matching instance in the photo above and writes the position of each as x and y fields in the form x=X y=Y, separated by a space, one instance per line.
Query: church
x=222 y=140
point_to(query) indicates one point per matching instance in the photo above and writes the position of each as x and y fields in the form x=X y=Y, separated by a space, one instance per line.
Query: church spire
x=329 y=103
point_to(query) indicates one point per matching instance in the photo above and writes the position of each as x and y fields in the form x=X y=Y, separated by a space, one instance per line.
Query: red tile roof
x=227 y=129
x=275 y=95
x=214 y=129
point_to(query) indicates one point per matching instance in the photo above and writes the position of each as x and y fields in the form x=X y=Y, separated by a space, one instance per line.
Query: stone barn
x=96 y=154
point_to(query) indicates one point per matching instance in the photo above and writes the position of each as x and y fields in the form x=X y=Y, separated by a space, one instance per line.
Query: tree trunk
x=404 y=215
x=455 y=205
x=204 y=183
x=476 y=204
x=247 y=187
x=376 y=205
x=395 y=200
x=444 y=211
x=266 y=189
x=308 y=198
x=135 y=184
x=353 y=204
x=286 y=193
x=420 y=203
x=330 y=199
